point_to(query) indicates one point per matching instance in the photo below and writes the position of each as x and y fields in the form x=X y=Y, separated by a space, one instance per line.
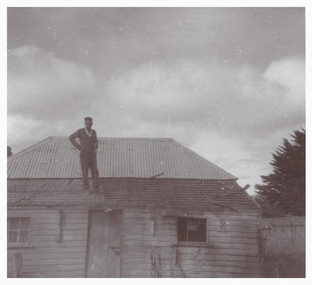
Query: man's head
x=88 y=123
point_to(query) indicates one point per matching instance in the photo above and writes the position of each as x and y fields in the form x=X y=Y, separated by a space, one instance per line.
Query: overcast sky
x=228 y=83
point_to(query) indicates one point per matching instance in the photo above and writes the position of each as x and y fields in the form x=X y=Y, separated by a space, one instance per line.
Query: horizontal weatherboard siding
x=47 y=257
x=230 y=252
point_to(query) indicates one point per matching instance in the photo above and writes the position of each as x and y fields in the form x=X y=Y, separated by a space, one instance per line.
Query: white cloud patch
x=45 y=87
x=209 y=95
x=289 y=72
x=23 y=131
x=20 y=128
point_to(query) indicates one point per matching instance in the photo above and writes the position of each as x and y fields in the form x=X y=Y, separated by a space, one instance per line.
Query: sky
x=227 y=83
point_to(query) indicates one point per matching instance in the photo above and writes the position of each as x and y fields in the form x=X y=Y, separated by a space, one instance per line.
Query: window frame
x=192 y=243
x=19 y=244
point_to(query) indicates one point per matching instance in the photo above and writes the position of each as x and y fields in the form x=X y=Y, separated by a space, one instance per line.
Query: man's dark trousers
x=88 y=160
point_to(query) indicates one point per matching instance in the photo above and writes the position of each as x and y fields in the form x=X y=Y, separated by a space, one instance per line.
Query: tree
x=285 y=187
x=9 y=152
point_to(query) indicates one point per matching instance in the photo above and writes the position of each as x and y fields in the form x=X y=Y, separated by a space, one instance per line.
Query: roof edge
x=29 y=148
x=204 y=160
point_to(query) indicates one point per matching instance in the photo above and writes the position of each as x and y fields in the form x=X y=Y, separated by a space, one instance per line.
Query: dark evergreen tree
x=285 y=187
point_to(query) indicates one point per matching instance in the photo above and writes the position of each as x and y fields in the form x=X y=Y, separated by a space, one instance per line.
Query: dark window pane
x=25 y=223
x=192 y=236
x=13 y=224
x=201 y=230
x=191 y=229
x=13 y=237
x=24 y=237
x=18 y=230
x=182 y=229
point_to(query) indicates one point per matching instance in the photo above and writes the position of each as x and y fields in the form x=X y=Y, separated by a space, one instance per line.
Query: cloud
x=20 y=127
x=24 y=131
x=210 y=95
x=289 y=72
x=44 y=87
x=163 y=99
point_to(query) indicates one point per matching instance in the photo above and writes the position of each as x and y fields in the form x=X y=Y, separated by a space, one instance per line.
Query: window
x=18 y=230
x=191 y=230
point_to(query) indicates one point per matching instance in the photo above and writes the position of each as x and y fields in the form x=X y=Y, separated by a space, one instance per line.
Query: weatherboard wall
x=231 y=250
x=56 y=249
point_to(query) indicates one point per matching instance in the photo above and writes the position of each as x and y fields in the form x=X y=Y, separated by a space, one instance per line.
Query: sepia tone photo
x=156 y=142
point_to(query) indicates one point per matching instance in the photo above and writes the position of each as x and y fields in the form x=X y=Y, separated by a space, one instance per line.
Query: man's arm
x=96 y=141
x=72 y=139
x=96 y=144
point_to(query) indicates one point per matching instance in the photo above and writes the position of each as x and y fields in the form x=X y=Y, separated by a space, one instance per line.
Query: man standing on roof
x=88 y=147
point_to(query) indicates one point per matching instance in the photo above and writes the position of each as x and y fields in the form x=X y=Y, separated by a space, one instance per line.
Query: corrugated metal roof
x=55 y=157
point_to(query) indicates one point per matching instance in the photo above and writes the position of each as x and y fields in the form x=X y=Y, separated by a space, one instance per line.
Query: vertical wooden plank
x=207 y=229
x=152 y=222
x=17 y=265
x=59 y=226
x=114 y=238
x=97 y=244
x=90 y=250
x=102 y=243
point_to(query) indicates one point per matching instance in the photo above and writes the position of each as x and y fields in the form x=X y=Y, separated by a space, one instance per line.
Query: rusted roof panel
x=55 y=157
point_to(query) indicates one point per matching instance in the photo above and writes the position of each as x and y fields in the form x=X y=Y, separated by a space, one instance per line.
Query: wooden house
x=162 y=211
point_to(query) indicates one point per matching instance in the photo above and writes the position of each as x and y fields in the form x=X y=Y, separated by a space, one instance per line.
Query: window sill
x=192 y=244
x=13 y=246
